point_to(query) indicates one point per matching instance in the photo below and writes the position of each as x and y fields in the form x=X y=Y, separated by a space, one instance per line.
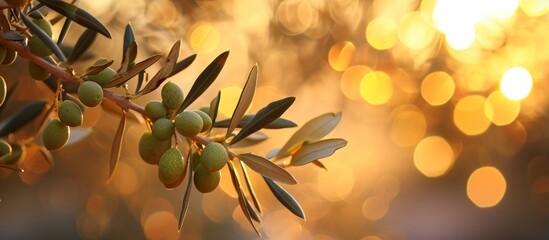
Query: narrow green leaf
x=252 y=212
x=129 y=57
x=36 y=31
x=117 y=145
x=182 y=65
x=285 y=198
x=188 y=189
x=11 y=167
x=313 y=130
x=320 y=164
x=129 y=38
x=267 y=168
x=316 y=150
x=250 y=186
x=140 y=79
x=271 y=154
x=164 y=72
x=244 y=101
x=204 y=80
x=241 y=197
x=214 y=107
x=77 y=15
x=97 y=67
x=264 y=117
x=24 y=115
x=66 y=25
x=123 y=78
x=83 y=44
x=277 y=124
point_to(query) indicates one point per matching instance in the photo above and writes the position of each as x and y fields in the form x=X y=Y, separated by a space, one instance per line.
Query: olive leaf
x=140 y=79
x=129 y=57
x=11 y=167
x=277 y=124
x=13 y=35
x=182 y=65
x=129 y=38
x=66 y=25
x=204 y=80
x=241 y=197
x=264 y=117
x=122 y=78
x=97 y=67
x=83 y=44
x=77 y=15
x=250 y=186
x=313 y=130
x=316 y=150
x=188 y=189
x=214 y=107
x=267 y=168
x=320 y=164
x=252 y=212
x=271 y=154
x=44 y=38
x=164 y=72
x=244 y=101
x=24 y=115
x=285 y=198
x=117 y=145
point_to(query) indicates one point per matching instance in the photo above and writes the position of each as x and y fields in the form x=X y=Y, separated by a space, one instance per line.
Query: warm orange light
x=500 y=110
x=516 y=83
x=376 y=88
x=486 y=187
x=437 y=88
x=204 y=37
x=381 y=33
x=350 y=81
x=340 y=55
x=469 y=115
x=415 y=32
x=408 y=126
x=433 y=156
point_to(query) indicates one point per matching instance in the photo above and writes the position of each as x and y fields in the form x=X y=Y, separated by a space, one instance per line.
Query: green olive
x=38 y=47
x=103 y=77
x=206 y=120
x=195 y=160
x=10 y=57
x=188 y=123
x=172 y=95
x=155 y=110
x=43 y=24
x=5 y=148
x=206 y=110
x=206 y=181
x=214 y=157
x=70 y=113
x=151 y=149
x=38 y=72
x=56 y=134
x=171 y=167
x=90 y=94
x=3 y=90
x=162 y=129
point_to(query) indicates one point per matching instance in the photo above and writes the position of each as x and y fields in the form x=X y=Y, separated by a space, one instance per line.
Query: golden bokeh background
x=444 y=108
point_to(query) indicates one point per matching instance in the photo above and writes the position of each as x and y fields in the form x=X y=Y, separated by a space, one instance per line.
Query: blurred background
x=444 y=107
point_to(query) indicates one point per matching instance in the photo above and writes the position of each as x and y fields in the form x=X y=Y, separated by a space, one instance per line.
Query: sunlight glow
x=516 y=83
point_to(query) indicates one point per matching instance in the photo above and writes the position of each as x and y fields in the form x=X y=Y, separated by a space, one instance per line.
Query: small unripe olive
x=172 y=95
x=155 y=110
x=38 y=72
x=3 y=52
x=5 y=148
x=206 y=181
x=214 y=157
x=162 y=129
x=70 y=113
x=206 y=121
x=43 y=24
x=17 y=3
x=38 y=47
x=188 y=123
x=206 y=110
x=151 y=149
x=18 y=152
x=3 y=90
x=10 y=57
x=171 y=167
x=56 y=134
x=103 y=77
x=90 y=94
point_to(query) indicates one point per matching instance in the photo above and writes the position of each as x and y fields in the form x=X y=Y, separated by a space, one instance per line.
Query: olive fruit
x=171 y=166
x=56 y=134
x=206 y=121
x=214 y=157
x=172 y=95
x=43 y=24
x=155 y=110
x=206 y=110
x=3 y=90
x=3 y=51
x=18 y=152
x=151 y=149
x=5 y=148
x=38 y=72
x=38 y=47
x=90 y=94
x=188 y=123
x=162 y=129
x=70 y=113
x=103 y=77
x=17 y=3
x=206 y=181
x=10 y=57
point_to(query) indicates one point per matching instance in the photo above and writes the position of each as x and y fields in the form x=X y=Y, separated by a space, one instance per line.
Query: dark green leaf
x=204 y=80
x=64 y=30
x=182 y=65
x=319 y=164
x=244 y=101
x=285 y=198
x=129 y=38
x=316 y=150
x=267 y=168
x=123 y=78
x=264 y=117
x=11 y=167
x=24 y=115
x=187 y=195
x=277 y=124
x=313 y=130
x=140 y=80
x=251 y=210
x=36 y=31
x=214 y=107
x=129 y=57
x=164 y=72
x=117 y=146
x=77 y=15
x=241 y=197
x=98 y=66
x=83 y=44
x=250 y=187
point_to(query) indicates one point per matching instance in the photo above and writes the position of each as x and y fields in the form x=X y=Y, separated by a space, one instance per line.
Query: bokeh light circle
x=486 y=187
x=516 y=83
x=433 y=156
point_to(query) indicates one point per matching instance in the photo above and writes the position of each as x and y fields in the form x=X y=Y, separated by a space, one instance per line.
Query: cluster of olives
x=155 y=147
